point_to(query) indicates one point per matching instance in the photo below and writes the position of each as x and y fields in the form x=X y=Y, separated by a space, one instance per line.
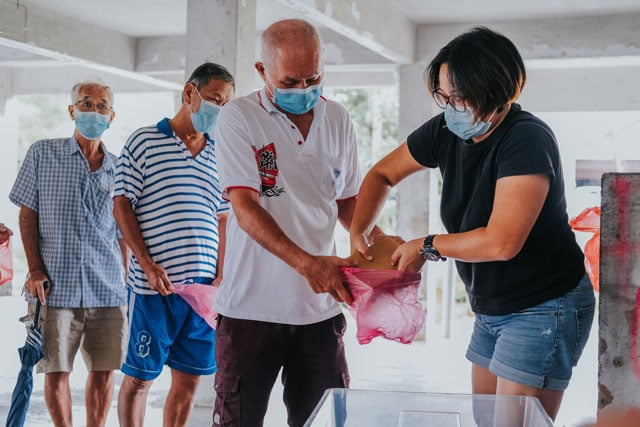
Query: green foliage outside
x=374 y=112
x=41 y=116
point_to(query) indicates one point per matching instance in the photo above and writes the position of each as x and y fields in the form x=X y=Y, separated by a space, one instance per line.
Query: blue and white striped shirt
x=176 y=199
x=78 y=234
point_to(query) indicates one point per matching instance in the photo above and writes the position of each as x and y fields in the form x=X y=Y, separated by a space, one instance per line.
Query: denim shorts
x=538 y=346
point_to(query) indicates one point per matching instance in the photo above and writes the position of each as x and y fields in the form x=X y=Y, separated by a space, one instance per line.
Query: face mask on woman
x=91 y=124
x=205 y=119
x=463 y=123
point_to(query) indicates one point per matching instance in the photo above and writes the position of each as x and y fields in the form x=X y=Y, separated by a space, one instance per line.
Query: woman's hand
x=407 y=256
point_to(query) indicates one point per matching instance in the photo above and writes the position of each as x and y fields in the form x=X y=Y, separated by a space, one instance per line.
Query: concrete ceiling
x=44 y=43
x=168 y=17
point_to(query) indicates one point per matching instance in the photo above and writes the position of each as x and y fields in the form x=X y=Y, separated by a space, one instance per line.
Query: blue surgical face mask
x=91 y=124
x=205 y=119
x=295 y=100
x=463 y=124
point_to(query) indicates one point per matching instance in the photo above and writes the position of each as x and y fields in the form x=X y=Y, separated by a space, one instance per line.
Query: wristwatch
x=428 y=252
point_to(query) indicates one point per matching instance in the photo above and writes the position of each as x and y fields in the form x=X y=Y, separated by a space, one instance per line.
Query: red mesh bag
x=589 y=221
x=385 y=303
x=6 y=264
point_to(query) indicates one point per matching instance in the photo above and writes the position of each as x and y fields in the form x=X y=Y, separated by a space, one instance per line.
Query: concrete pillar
x=8 y=160
x=414 y=192
x=619 y=360
x=224 y=32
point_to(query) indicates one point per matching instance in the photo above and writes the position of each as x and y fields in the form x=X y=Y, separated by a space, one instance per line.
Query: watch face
x=430 y=256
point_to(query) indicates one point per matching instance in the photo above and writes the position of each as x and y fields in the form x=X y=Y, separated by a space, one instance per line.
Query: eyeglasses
x=86 y=105
x=457 y=102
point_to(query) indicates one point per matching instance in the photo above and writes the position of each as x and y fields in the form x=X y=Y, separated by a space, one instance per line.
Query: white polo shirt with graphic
x=299 y=182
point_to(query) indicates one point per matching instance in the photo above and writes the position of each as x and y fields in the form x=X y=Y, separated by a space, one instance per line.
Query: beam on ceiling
x=60 y=79
x=586 y=89
x=66 y=37
x=48 y=35
x=364 y=21
x=543 y=41
x=352 y=76
x=161 y=54
x=166 y=54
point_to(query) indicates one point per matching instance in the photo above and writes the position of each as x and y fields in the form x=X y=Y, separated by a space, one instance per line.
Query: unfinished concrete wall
x=619 y=364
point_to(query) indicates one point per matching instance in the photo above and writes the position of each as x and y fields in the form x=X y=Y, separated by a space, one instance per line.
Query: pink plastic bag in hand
x=6 y=264
x=201 y=298
x=385 y=303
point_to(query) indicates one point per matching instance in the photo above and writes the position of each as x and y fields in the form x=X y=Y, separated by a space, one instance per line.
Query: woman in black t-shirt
x=504 y=209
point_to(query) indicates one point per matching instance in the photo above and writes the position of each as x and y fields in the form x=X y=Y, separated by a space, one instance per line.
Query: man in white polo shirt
x=288 y=164
x=167 y=203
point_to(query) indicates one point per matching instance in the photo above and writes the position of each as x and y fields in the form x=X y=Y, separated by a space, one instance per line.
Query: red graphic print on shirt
x=268 y=169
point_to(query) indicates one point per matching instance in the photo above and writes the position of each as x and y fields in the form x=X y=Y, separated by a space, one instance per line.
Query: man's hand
x=322 y=275
x=360 y=243
x=157 y=278
x=5 y=233
x=35 y=285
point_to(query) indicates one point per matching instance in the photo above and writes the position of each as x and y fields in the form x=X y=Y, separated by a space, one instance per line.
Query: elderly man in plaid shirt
x=72 y=243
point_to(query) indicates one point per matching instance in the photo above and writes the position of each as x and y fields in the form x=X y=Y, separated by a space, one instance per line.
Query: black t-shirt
x=550 y=263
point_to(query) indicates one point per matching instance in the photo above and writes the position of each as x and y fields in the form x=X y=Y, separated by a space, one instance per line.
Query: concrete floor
x=436 y=365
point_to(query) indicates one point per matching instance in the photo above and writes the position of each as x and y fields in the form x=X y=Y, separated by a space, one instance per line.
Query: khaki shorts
x=101 y=333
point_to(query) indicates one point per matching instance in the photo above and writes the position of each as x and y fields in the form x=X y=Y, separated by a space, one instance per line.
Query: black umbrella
x=30 y=354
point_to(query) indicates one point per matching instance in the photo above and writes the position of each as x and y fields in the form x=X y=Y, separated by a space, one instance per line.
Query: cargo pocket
x=227 y=405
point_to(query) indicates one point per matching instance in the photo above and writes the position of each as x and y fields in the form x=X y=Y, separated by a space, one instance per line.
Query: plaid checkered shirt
x=78 y=234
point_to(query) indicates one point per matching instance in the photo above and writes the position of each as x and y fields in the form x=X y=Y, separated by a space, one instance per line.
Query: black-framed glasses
x=456 y=101
x=88 y=105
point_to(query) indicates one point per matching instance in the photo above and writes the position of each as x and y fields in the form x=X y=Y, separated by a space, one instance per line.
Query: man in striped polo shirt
x=167 y=203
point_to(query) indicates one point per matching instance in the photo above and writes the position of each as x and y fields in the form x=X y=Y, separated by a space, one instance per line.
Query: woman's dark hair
x=202 y=75
x=485 y=68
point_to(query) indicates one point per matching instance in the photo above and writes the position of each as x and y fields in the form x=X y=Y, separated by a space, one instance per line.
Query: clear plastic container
x=364 y=408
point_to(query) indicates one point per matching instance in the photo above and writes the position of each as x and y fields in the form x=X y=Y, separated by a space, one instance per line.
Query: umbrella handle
x=36 y=317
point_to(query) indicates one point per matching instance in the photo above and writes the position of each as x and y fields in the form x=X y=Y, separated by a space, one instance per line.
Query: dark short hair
x=202 y=75
x=484 y=66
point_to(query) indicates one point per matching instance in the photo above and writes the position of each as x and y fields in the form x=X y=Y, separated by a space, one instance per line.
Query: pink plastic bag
x=385 y=303
x=6 y=264
x=201 y=298
x=589 y=221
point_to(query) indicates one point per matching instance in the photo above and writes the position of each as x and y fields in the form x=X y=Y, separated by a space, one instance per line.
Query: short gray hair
x=297 y=30
x=92 y=81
